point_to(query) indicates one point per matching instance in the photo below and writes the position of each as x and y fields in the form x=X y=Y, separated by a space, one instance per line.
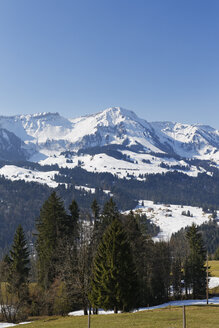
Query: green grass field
x=197 y=317
x=214 y=268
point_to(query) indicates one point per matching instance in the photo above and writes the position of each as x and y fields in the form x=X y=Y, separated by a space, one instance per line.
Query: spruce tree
x=19 y=265
x=160 y=272
x=51 y=227
x=187 y=276
x=74 y=211
x=95 y=209
x=72 y=226
x=141 y=246
x=196 y=262
x=114 y=281
x=177 y=276
x=69 y=256
x=109 y=213
x=97 y=227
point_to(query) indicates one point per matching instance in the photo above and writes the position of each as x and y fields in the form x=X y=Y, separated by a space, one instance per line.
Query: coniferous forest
x=20 y=201
x=103 y=259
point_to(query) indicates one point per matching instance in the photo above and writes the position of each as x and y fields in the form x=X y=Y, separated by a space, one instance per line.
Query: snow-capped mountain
x=190 y=141
x=115 y=140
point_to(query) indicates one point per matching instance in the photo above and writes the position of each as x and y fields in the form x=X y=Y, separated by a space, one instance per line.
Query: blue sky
x=159 y=58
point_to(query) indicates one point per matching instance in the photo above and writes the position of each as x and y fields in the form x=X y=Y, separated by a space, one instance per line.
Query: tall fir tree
x=109 y=213
x=196 y=269
x=69 y=256
x=75 y=212
x=97 y=228
x=159 y=279
x=95 y=209
x=102 y=221
x=18 y=265
x=141 y=246
x=72 y=227
x=51 y=227
x=114 y=281
x=177 y=276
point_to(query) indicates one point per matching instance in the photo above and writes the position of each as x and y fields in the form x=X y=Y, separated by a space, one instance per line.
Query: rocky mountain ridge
x=115 y=140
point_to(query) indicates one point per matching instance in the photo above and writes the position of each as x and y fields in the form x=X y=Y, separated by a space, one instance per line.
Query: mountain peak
x=120 y=111
x=116 y=115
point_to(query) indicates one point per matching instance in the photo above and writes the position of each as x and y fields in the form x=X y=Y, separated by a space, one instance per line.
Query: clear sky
x=159 y=58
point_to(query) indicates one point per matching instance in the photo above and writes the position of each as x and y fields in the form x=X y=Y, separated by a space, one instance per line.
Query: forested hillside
x=20 y=201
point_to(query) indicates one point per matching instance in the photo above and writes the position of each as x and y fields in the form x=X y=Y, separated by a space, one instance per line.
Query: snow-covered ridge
x=45 y=137
x=113 y=126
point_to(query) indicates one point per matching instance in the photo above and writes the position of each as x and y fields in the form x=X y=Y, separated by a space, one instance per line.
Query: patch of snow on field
x=81 y=312
x=6 y=324
x=213 y=282
x=213 y=300
x=169 y=217
x=13 y=173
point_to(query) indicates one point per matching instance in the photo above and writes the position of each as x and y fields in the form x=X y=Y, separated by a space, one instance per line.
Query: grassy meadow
x=214 y=268
x=197 y=317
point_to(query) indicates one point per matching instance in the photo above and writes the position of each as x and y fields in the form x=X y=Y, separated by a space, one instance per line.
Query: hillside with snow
x=171 y=218
x=115 y=141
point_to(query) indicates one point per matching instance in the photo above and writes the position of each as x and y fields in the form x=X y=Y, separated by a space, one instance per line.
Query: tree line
x=104 y=259
x=20 y=201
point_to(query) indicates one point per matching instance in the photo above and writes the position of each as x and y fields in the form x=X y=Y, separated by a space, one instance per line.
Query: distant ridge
x=129 y=145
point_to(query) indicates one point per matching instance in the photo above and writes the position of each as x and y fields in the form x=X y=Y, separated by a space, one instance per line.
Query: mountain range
x=115 y=140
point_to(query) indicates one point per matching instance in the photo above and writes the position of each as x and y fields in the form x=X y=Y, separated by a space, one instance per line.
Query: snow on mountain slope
x=137 y=146
x=138 y=165
x=169 y=217
x=37 y=127
x=112 y=126
x=189 y=141
x=43 y=132
x=50 y=131
x=46 y=126
x=14 y=173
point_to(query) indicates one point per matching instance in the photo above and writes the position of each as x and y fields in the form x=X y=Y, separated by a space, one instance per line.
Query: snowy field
x=213 y=282
x=213 y=300
x=14 y=173
x=5 y=324
x=137 y=164
x=169 y=217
